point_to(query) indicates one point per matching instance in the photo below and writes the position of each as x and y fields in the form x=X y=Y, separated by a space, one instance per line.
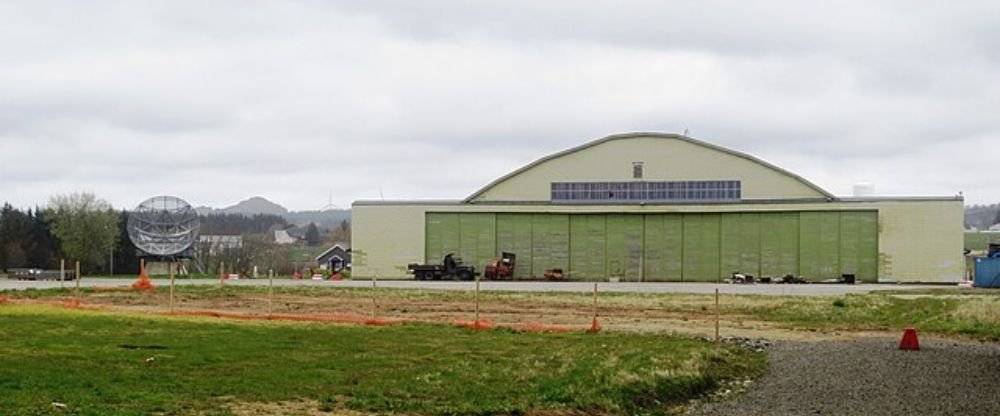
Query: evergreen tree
x=43 y=251
x=15 y=238
x=126 y=259
x=312 y=235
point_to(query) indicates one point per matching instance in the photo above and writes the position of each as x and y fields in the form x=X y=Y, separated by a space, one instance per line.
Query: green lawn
x=306 y=254
x=975 y=316
x=980 y=240
x=95 y=363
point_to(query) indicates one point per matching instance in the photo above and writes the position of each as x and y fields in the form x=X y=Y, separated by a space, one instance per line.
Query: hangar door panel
x=441 y=236
x=859 y=244
x=701 y=247
x=587 y=247
x=514 y=236
x=849 y=238
x=740 y=243
x=750 y=241
x=779 y=244
x=624 y=236
x=550 y=243
x=819 y=242
x=478 y=242
x=663 y=247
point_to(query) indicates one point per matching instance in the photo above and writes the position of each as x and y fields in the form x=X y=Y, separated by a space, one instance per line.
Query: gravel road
x=872 y=377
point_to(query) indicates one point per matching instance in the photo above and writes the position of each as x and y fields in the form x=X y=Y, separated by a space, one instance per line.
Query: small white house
x=283 y=238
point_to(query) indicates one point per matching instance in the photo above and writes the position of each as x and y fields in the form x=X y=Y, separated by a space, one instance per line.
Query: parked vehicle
x=38 y=274
x=451 y=268
x=501 y=268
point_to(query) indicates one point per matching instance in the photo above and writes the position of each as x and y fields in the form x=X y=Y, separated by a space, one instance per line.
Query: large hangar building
x=665 y=207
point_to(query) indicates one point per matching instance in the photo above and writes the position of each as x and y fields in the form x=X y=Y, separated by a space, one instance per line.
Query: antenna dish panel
x=164 y=226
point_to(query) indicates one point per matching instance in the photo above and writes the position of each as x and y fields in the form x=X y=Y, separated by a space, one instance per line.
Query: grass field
x=94 y=360
x=99 y=363
x=980 y=240
x=971 y=313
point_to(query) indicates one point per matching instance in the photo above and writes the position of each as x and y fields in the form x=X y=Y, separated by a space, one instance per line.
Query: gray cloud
x=219 y=101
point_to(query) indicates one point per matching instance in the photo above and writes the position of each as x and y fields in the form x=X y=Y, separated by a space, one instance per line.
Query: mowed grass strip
x=99 y=363
x=976 y=317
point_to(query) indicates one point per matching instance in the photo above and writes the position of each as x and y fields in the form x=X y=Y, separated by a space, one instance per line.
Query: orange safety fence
x=477 y=324
x=63 y=303
x=346 y=318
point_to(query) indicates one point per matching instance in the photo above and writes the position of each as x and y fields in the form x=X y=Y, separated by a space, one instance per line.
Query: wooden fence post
x=717 y=317
x=78 y=278
x=171 y=266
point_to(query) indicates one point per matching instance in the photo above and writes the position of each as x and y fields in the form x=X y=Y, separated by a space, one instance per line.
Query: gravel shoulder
x=871 y=377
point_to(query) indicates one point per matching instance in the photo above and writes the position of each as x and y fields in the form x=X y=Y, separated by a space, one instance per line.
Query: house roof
x=346 y=247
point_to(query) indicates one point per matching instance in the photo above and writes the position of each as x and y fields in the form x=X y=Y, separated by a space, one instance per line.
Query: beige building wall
x=664 y=157
x=385 y=238
x=920 y=240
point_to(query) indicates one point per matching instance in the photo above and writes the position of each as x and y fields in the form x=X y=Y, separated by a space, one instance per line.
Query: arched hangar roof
x=668 y=157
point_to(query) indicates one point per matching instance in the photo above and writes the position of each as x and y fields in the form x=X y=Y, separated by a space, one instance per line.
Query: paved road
x=698 y=288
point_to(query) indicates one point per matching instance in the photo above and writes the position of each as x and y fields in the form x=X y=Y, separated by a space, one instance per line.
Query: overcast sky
x=219 y=101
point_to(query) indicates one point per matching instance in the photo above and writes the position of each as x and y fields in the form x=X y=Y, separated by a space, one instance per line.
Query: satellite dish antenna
x=165 y=227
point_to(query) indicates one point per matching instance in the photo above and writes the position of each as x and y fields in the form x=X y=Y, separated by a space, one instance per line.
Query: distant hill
x=252 y=206
x=323 y=219
x=981 y=216
x=260 y=205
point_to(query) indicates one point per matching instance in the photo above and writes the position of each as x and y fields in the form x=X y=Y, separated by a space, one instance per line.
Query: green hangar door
x=471 y=237
x=816 y=245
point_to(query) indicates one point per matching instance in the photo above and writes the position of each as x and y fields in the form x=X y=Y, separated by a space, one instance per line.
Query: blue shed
x=987 y=272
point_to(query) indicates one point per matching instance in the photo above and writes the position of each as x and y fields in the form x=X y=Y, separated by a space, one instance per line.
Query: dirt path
x=872 y=377
x=615 y=314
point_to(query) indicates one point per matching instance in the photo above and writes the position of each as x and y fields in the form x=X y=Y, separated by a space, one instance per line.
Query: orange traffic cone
x=143 y=283
x=910 y=341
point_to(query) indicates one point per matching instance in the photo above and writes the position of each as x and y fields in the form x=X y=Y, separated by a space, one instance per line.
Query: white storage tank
x=864 y=189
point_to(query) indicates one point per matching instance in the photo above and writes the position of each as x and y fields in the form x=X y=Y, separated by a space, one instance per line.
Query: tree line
x=82 y=227
x=76 y=227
